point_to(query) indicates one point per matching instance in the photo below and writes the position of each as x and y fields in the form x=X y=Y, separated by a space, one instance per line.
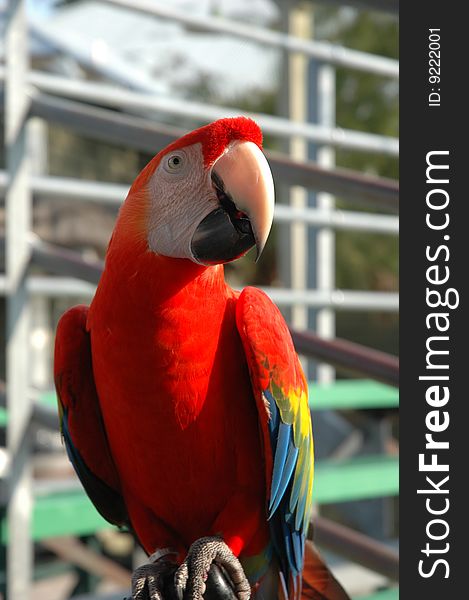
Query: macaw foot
x=191 y=577
x=150 y=581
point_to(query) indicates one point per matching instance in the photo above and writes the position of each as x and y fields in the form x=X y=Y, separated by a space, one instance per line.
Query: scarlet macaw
x=183 y=404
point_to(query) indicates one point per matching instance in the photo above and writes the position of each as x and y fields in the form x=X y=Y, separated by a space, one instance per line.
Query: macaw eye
x=175 y=163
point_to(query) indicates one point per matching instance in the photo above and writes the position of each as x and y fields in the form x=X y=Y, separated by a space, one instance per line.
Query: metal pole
x=66 y=286
x=41 y=327
x=389 y=6
x=339 y=299
x=349 y=356
x=357 y=547
x=325 y=242
x=299 y=26
x=17 y=205
x=330 y=53
x=321 y=242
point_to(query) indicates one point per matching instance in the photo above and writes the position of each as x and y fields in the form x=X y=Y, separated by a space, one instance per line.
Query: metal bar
x=325 y=242
x=105 y=124
x=329 y=53
x=41 y=338
x=345 y=220
x=63 y=262
x=146 y=135
x=70 y=190
x=328 y=585
x=356 y=547
x=19 y=552
x=349 y=185
x=60 y=287
x=120 y=98
x=339 y=299
x=55 y=483
x=112 y=96
x=100 y=59
x=75 y=552
x=350 y=357
x=389 y=6
x=43 y=416
x=66 y=262
x=295 y=270
x=67 y=189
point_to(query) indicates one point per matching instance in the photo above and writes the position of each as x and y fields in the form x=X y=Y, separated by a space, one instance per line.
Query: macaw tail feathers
x=318 y=581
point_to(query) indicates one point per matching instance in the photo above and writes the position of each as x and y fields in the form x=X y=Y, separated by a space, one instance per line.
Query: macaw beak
x=243 y=183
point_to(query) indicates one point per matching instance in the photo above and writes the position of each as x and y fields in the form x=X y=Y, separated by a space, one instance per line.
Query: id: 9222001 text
x=434 y=69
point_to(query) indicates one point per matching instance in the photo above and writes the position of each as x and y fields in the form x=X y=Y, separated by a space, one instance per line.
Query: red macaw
x=183 y=404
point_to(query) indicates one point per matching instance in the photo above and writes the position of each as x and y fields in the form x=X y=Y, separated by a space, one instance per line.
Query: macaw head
x=207 y=197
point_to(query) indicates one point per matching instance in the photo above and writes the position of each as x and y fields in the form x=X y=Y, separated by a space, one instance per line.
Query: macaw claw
x=150 y=581
x=211 y=571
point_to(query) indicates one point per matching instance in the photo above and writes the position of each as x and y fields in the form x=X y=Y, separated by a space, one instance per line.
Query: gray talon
x=180 y=580
x=191 y=576
x=148 y=581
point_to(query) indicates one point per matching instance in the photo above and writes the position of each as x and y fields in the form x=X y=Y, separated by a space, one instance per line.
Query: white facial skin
x=182 y=195
x=179 y=186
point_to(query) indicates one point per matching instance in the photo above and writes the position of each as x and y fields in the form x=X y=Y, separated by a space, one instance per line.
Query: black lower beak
x=220 y=238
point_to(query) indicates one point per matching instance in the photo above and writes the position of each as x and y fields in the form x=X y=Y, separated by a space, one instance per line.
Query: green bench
x=352 y=394
x=71 y=513
x=390 y=594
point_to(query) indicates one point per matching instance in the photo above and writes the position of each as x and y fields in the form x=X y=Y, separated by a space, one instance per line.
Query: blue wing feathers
x=282 y=450
x=288 y=497
x=298 y=549
x=285 y=461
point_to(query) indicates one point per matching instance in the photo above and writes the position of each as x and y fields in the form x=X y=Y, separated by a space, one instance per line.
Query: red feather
x=172 y=390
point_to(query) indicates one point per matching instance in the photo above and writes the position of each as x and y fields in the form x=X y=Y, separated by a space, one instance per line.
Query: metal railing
x=76 y=190
x=113 y=96
x=328 y=53
x=56 y=99
x=61 y=261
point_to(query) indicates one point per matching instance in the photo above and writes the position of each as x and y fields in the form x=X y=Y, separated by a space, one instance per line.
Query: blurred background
x=90 y=91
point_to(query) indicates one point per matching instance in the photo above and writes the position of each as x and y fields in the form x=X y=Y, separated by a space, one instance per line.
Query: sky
x=162 y=50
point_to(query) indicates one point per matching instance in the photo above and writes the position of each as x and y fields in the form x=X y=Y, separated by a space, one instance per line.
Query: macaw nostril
x=243 y=225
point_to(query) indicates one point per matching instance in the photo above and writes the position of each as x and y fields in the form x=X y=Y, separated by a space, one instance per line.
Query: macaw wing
x=80 y=416
x=280 y=390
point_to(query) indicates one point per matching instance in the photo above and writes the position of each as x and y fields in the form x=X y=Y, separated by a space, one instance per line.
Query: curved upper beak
x=247 y=180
